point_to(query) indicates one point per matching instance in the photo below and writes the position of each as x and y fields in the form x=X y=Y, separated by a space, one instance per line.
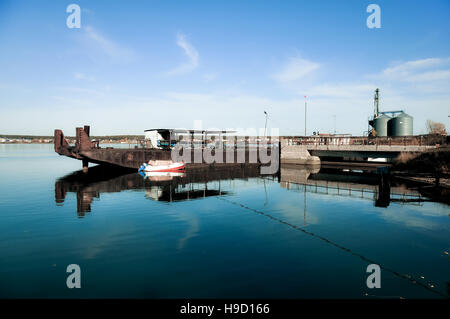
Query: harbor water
x=297 y=234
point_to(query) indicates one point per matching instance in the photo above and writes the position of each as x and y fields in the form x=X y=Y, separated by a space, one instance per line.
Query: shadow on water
x=182 y=187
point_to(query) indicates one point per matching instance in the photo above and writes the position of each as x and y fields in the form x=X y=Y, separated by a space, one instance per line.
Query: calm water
x=240 y=237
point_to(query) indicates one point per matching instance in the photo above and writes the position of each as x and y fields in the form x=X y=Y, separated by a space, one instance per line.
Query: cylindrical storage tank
x=380 y=125
x=402 y=125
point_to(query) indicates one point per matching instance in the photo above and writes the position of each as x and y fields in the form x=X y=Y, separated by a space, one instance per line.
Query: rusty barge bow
x=89 y=151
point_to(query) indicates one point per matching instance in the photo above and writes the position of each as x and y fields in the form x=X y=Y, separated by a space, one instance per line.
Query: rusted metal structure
x=89 y=151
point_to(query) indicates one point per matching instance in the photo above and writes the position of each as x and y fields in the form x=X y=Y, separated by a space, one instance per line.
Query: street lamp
x=334 y=120
x=305 y=115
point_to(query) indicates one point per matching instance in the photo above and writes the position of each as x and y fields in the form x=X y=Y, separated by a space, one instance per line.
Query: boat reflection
x=161 y=176
x=169 y=187
x=194 y=184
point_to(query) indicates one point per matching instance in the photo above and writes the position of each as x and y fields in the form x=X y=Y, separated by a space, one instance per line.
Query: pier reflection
x=169 y=187
x=337 y=182
x=195 y=184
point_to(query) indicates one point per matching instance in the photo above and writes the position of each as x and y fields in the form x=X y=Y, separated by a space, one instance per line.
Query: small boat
x=161 y=176
x=162 y=166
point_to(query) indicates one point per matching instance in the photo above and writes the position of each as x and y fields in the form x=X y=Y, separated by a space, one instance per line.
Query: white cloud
x=344 y=90
x=351 y=102
x=100 y=42
x=104 y=110
x=437 y=75
x=210 y=76
x=417 y=77
x=82 y=76
x=418 y=70
x=296 y=69
x=191 y=53
x=411 y=66
x=419 y=87
x=412 y=78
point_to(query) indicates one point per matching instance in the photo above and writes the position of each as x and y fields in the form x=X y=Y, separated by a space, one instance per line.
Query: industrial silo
x=402 y=125
x=380 y=125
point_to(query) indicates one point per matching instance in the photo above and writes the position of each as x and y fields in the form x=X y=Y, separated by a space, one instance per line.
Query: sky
x=135 y=65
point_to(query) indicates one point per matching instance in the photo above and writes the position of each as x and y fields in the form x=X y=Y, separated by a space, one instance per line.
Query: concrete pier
x=297 y=154
x=365 y=147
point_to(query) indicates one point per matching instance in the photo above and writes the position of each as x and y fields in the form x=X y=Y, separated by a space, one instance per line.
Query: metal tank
x=380 y=125
x=402 y=125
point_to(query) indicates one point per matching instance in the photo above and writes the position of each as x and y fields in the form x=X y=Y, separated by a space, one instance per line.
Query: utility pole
x=305 y=115
x=334 y=120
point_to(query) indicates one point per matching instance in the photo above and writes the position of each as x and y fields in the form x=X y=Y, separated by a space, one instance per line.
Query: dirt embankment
x=435 y=161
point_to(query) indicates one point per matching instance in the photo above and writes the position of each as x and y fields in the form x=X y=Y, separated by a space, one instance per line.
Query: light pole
x=265 y=126
x=334 y=120
x=305 y=115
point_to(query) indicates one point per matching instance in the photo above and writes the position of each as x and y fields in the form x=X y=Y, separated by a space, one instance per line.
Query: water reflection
x=317 y=186
x=169 y=187
x=193 y=184
x=334 y=182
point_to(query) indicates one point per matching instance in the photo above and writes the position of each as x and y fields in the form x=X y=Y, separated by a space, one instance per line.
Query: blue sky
x=140 y=64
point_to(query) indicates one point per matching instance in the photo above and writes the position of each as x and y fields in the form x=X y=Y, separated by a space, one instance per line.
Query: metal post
x=334 y=118
x=305 y=115
x=85 y=165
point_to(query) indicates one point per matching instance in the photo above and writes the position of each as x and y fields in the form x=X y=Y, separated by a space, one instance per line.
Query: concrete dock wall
x=297 y=154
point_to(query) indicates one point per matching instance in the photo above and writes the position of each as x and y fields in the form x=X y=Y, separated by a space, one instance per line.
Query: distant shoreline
x=37 y=139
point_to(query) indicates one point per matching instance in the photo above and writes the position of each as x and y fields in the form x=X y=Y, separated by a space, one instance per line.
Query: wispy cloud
x=419 y=70
x=297 y=68
x=409 y=67
x=82 y=76
x=192 y=54
x=210 y=76
x=100 y=42
x=341 y=90
x=438 y=75
x=415 y=77
x=423 y=76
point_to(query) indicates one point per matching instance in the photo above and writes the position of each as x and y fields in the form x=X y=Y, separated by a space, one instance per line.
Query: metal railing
x=418 y=140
